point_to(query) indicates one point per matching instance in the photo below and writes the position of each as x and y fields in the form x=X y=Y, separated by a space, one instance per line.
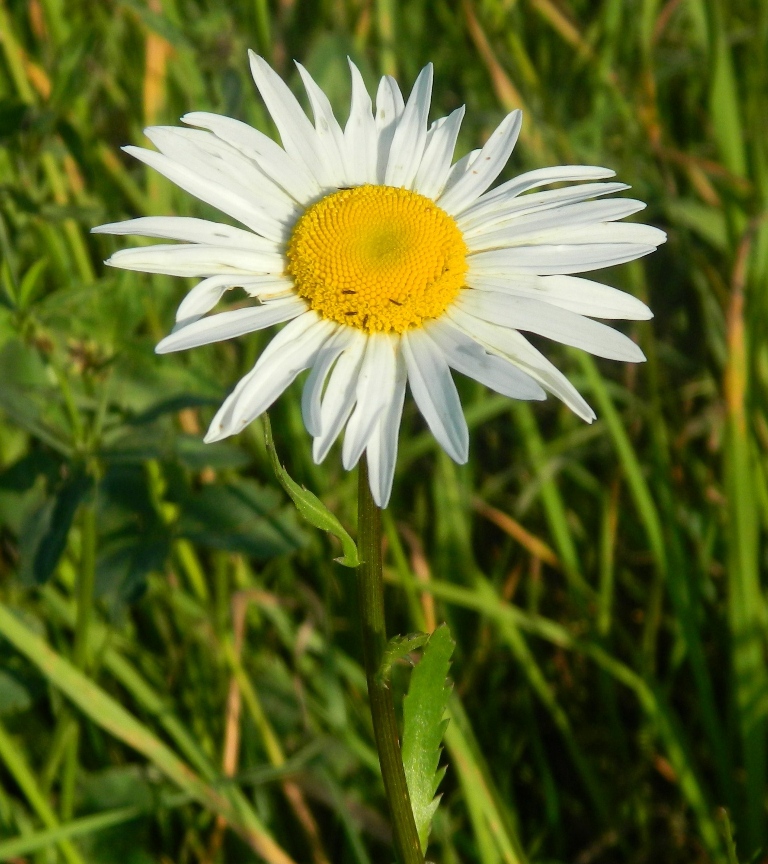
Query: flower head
x=390 y=264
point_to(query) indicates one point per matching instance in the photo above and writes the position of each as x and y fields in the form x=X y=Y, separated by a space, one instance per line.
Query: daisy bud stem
x=371 y=599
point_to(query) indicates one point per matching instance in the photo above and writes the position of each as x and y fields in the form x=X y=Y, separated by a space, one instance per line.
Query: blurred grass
x=178 y=671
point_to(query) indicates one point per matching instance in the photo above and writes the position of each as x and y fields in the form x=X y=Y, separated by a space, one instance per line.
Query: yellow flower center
x=377 y=258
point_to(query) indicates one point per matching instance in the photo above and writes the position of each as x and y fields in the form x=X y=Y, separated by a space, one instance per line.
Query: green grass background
x=604 y=583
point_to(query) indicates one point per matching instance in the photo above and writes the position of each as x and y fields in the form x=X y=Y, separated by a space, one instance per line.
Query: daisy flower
x=389 y=263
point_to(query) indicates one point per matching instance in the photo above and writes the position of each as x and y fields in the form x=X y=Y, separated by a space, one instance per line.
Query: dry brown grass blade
x=157 y=51
x=563 y=25
x=506 y=92
x=538 y=548
x=735 y=384
x=292 y=792
x=420 y=568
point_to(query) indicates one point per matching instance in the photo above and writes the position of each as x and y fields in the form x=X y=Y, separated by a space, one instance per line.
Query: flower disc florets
x=377 y=258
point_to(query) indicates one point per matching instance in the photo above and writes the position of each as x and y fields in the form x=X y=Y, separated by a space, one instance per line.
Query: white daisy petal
x=212 y=158
x=222 y=425
x=233 y=204
x=313 y=387
x=459 y=169
x=360 y=136
x=435 y=393
x=340 y=395
x=381 y=452
x=293 y=333
x=279 y=365
x=535 y=316
x=190 y=230
x=569 y=292
x=375 y=387
x=496 y=211
x=410 y=137
x=487 y=167
x=518 y=350
x=467 y=356
x=228 y=325
x=543 y=177
x=296 y=132
x=551 y=260
x=592 y=298
x=329 y=135
x=591 y=234
x=196 y=260
x=389 y=108
x=203 y=297
x=265 y=287
x=436 y=162
x=514 y=228
x=206 y=294
x=291 y=175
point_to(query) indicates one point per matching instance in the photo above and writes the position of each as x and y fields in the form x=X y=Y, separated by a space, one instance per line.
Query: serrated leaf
x=398 y=648
x=424 y=726
x=310 y=506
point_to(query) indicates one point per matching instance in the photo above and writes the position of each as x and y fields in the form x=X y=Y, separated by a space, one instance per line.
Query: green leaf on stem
x=727 y=830
x=398 y=648
x=310 y=506
x=424 y=727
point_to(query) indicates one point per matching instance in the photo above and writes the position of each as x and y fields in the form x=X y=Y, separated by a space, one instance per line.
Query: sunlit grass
x=604 y=583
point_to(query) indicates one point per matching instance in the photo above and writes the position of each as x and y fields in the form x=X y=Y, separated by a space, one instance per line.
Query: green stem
x=371 y=599
x=86 y=581
x=69 y=775
x=85 y=585
x=385 y=16
x=12 y=756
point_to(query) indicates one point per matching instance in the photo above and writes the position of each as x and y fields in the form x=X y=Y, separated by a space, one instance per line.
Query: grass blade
x=17 y=765
x=103 y=710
